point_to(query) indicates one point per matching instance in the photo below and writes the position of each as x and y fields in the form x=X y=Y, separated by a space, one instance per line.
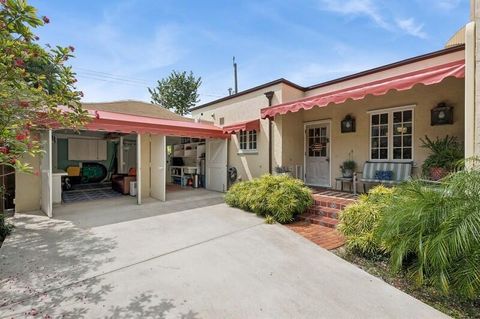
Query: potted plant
x=445 y=153
x=348 y=168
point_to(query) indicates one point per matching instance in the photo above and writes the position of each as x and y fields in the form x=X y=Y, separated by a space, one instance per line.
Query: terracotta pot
x=437 y=173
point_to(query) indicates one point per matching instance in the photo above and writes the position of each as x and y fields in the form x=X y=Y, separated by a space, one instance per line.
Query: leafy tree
x=34 y=82
x=177 y=92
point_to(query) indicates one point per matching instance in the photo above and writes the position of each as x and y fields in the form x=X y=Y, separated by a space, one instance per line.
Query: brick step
x=332 y=202
x=325 y=211
x=319 y=220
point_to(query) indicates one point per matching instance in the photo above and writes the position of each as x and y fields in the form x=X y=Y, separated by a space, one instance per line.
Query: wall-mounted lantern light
x=348 y=124
x=441 y=114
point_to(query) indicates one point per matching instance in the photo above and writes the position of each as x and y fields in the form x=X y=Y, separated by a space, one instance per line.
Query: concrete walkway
x=207 y=262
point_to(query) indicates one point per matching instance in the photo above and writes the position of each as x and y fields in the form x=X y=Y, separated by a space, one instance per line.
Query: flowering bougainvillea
x=34 y=81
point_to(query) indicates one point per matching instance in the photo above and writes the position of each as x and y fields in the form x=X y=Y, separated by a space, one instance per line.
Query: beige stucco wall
x=424 y=97
x=28 y=188
x=245 y=108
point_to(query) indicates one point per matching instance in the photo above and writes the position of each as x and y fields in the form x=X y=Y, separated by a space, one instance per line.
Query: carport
x=151 y=136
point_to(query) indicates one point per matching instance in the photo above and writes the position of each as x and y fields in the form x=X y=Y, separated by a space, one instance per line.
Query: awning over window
x=125 y=123
x=242 y=126
x=427 y=76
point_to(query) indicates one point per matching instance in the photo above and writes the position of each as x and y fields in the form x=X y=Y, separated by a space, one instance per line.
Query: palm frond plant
x=358 y=222
x=434 y=232
x=444 y=155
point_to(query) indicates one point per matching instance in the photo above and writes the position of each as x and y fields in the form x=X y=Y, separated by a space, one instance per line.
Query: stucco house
x=282 y=124
x=377 y=115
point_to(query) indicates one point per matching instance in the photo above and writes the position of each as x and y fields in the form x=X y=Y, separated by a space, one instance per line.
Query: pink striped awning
x=427 y=76
x=242 y=126
x=126 y=123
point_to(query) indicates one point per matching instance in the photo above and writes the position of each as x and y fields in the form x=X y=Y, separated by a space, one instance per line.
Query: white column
x=476 y=117
x=139 y=169
x=470 y=88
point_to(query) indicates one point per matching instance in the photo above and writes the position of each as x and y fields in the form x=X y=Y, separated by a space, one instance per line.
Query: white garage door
x=216 y=164
x=157 y=170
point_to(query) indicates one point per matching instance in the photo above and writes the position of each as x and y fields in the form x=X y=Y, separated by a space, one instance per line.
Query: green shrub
x=434 y=232
x=358 y=222
x=269 y=220
x=281 y=197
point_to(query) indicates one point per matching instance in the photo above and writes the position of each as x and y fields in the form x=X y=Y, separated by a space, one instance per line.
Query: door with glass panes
x=317 y=154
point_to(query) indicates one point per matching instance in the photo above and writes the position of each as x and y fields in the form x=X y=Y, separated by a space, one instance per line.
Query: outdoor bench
x=386 y=173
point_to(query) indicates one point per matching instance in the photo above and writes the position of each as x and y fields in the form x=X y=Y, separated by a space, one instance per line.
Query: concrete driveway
x=179 y=262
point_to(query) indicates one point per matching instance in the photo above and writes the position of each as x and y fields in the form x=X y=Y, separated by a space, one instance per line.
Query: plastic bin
x=133 y=188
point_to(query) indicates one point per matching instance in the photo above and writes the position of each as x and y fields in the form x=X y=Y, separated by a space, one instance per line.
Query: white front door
x=46 y=173
x=216 y=164
x=317 y=154
x=158 y=149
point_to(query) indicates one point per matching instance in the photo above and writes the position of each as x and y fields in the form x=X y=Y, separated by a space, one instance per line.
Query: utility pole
x=235 y=79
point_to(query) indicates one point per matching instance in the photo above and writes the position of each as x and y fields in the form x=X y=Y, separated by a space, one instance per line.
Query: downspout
x=269 y=96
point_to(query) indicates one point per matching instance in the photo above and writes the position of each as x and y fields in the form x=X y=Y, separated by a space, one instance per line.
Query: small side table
x=342 y=180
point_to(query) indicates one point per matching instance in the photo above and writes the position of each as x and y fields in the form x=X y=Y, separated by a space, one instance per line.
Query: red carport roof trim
x=126 y=123
x=427 y=76
x=242 y=126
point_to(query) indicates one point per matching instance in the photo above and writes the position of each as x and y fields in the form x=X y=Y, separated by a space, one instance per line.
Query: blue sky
x=124 y=46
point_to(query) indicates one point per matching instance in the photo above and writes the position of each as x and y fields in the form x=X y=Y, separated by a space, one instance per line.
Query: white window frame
x=390 y=112
x=247 y=150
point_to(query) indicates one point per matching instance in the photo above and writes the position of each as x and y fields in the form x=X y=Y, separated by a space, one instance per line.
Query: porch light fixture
x=348 y=124
x=441 y=114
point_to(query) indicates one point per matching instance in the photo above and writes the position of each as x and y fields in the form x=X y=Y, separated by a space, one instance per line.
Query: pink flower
x=21 y=136
x=19 y=63
x=4 y=150
x=37 y=173
x=46 y=19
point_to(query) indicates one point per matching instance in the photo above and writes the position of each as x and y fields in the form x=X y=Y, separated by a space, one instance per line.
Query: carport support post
x=139 y=169
x=120 y=167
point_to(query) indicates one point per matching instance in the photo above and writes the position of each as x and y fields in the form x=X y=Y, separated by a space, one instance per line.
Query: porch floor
x=332 y=193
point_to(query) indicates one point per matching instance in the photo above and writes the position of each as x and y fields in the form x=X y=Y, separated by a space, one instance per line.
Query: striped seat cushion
x=402 y=171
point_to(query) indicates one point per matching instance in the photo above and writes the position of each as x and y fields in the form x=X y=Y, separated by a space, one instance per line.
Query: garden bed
x=449 y=305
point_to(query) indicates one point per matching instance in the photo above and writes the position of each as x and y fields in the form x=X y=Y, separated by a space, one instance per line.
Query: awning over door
x=242 y=126
x=427 y=76
x=125 y=123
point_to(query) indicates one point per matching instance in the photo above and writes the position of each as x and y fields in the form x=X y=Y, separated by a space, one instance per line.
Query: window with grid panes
x=247 y=140
x=391 y=135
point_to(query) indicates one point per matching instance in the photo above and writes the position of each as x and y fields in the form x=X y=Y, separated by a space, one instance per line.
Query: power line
x=128 y=82
x=111 y=80
x=112 y=75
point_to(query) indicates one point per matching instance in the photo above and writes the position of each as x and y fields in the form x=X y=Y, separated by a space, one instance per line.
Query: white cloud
x=411 y=27
x=356 y=7
x=314 y=73
x=383 y=17
x=447 y=4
